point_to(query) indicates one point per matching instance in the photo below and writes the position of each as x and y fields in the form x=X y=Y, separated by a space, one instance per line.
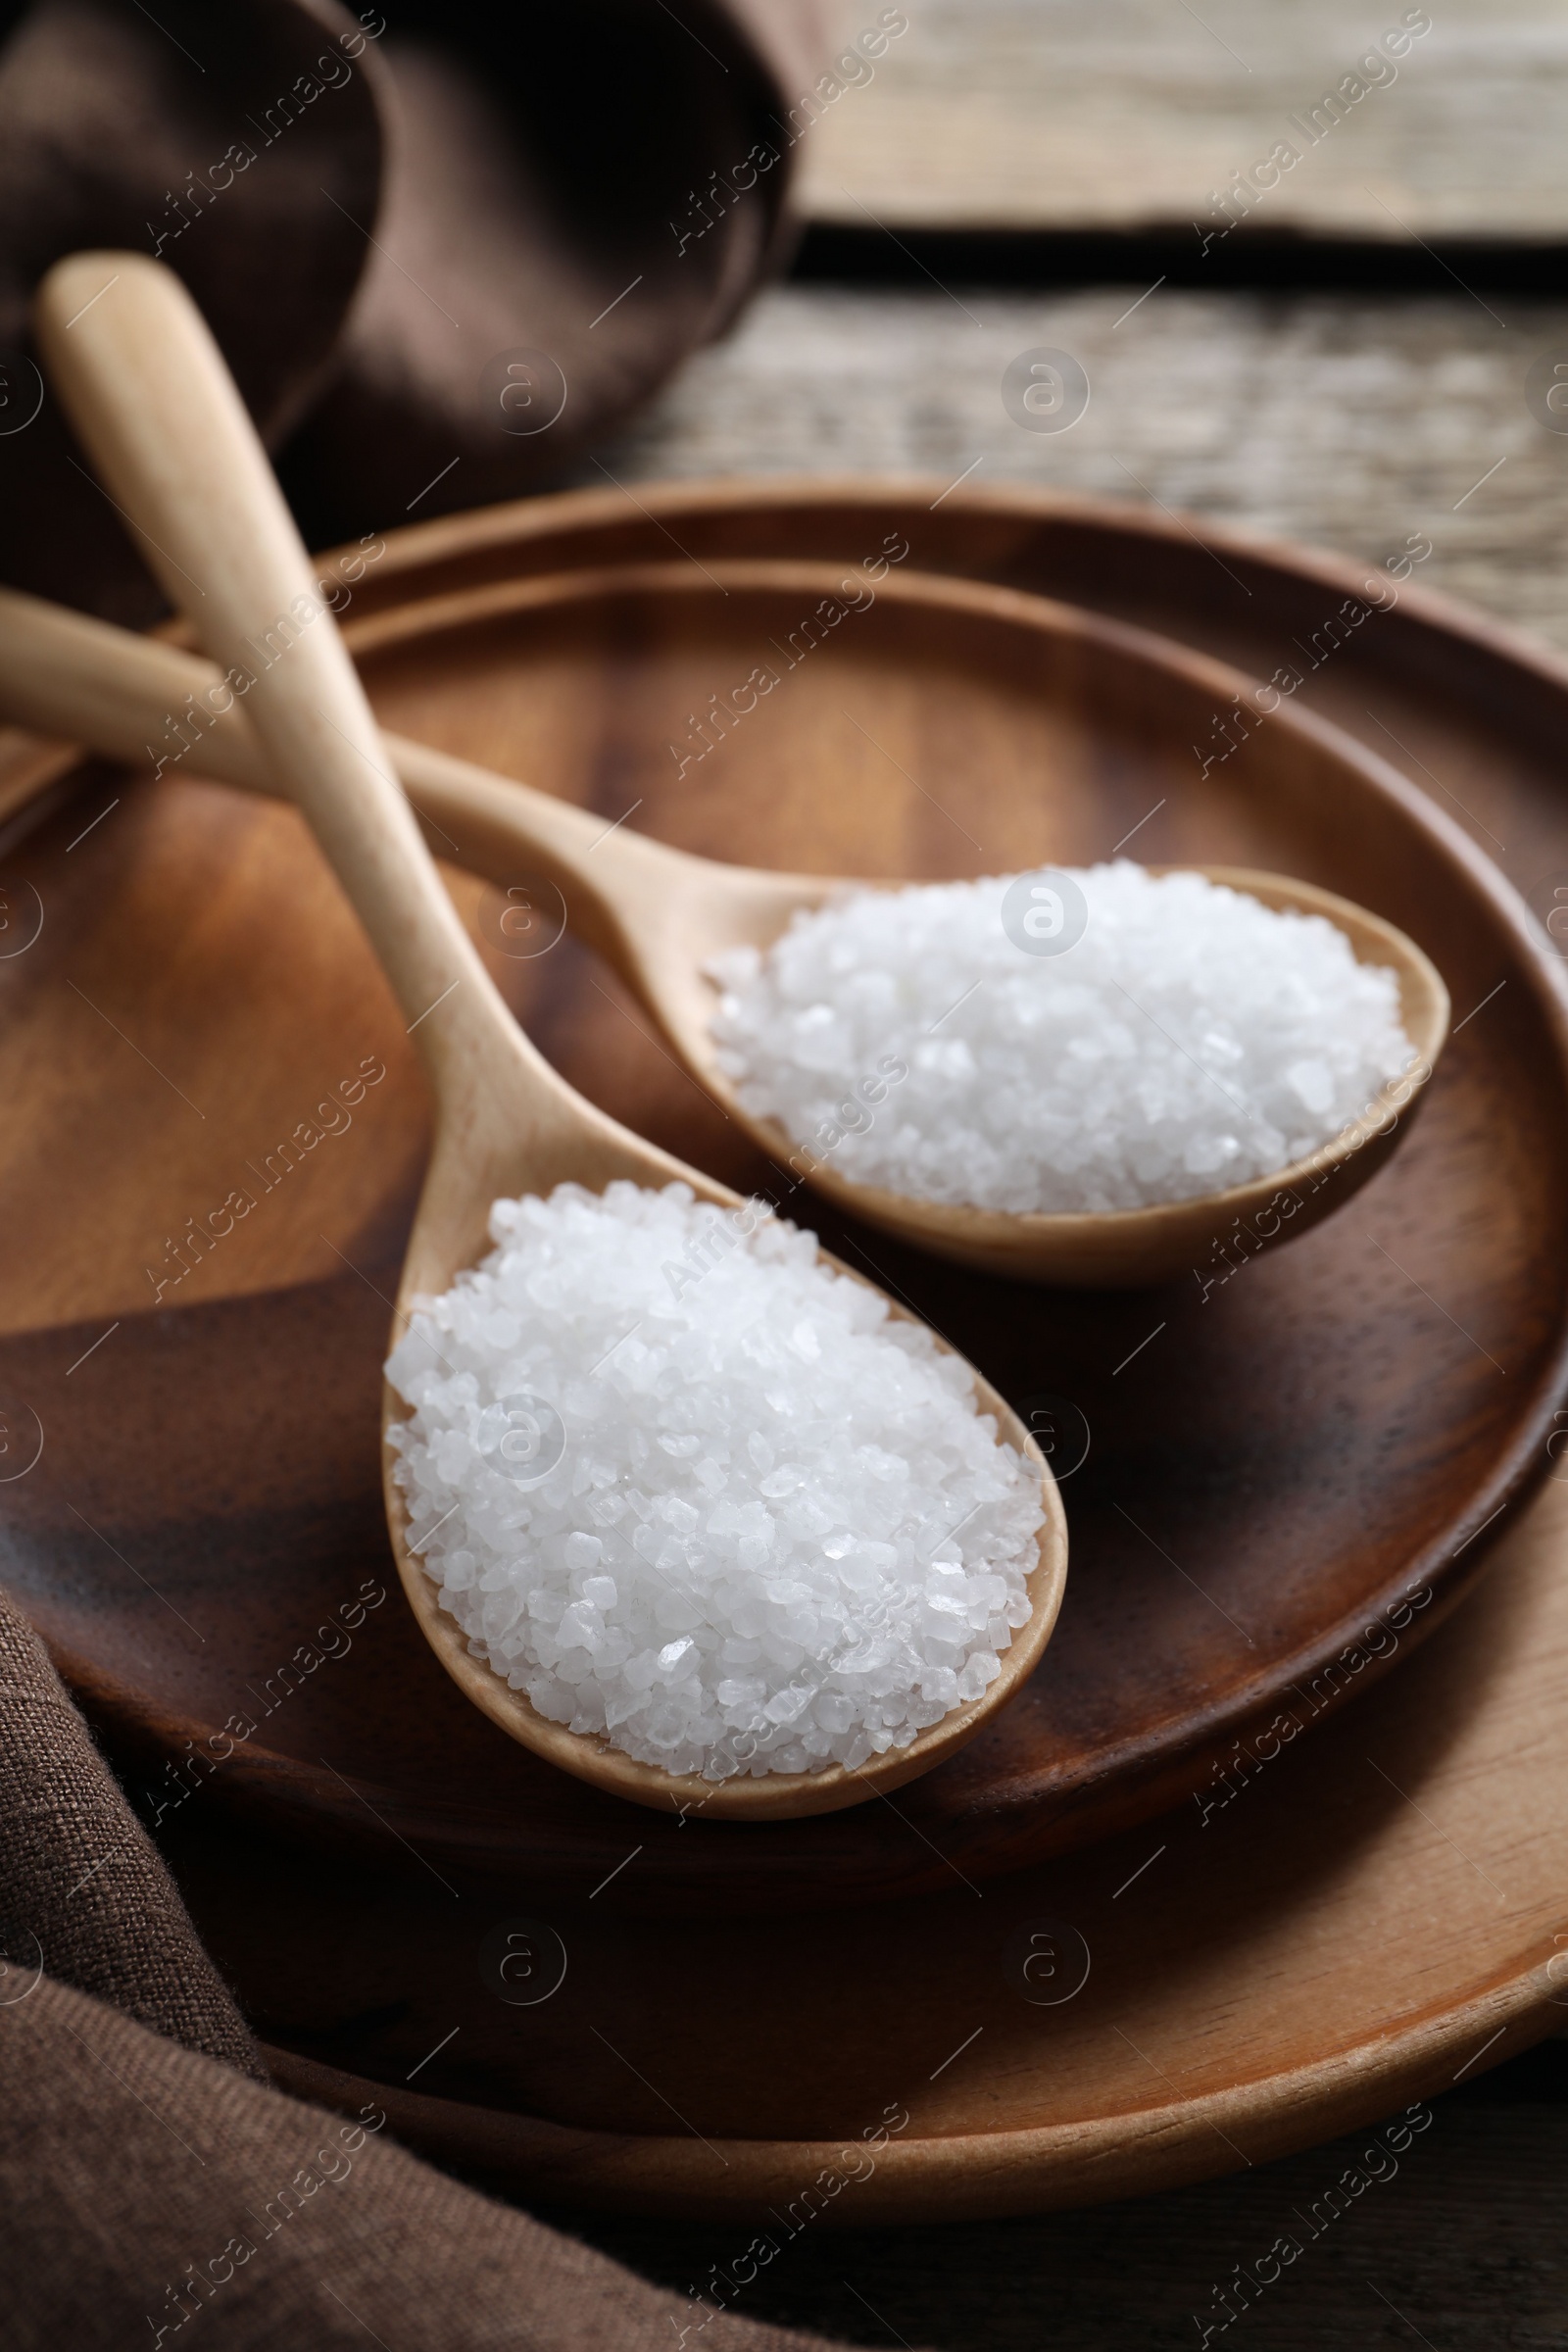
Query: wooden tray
x=1269 y=1476
x=1373 y=1914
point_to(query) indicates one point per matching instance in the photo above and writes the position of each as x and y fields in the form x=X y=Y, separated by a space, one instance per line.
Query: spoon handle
x=149 y=393
x=633 y=900
x=137 y=698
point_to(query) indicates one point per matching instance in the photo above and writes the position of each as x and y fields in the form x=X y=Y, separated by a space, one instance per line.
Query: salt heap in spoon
x=681 y=1484
x=1188 y=1038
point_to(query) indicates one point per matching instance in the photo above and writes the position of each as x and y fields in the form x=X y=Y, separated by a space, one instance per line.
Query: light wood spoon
x=148 y=391
x=658 y=914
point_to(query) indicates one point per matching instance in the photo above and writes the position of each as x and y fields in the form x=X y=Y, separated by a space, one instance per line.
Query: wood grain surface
x=1349 y=421
x=1128 y=115
x=1361 y=1919
x=1460 y=2249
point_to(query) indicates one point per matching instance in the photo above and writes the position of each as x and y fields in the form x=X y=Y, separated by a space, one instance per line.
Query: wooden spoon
x=147 y=389
x=658 y=914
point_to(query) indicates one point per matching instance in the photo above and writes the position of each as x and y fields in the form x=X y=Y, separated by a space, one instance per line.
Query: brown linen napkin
x=83 y=1892
x=147 y=2189
x=575 y=198
x=116 y=130
x=444 y=251
x=149 y=2183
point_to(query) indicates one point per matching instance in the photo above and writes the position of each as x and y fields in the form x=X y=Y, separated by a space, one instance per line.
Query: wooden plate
x=1371 y=1915
x=1282 y=1468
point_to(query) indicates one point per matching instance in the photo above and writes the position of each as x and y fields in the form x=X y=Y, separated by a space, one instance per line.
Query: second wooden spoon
x=657 y=913
x=148 y=390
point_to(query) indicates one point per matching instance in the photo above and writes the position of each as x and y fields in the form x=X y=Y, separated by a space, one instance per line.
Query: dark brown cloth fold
x=575 y=198
x=118 y=131
x=148 y=2191
x=146 y=2186
x=444 y=251
x=83 y=1892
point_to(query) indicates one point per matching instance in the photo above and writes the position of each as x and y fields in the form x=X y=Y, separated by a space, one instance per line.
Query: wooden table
x=1348 y=420
x=1355 y=422
x=1127 y=115
x=1462 y=2251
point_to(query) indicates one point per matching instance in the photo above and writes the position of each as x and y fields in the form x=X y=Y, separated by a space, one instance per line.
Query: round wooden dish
x=1283 y=1455
x=1357 y=1920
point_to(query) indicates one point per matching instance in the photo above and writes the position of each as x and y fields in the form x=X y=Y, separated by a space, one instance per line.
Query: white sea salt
x=684 y=1486
x=1188 y=1039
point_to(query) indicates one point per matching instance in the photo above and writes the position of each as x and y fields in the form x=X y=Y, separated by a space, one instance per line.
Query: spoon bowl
x=1124 y=1248
x=659 y=913
x=149 y=393
x=445 y=1251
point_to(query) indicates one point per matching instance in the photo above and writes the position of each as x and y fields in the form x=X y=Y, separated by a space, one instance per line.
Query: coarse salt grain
x=685 y=1487
x=1191 y=1039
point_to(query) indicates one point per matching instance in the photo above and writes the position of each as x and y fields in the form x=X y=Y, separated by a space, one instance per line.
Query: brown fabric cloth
x=83 y=1893
x=444 y=251
x=147 y=2187
x=119 y=131
x=588 y=193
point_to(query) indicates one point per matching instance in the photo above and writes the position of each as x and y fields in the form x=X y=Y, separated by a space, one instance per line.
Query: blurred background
x=1337 y=349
